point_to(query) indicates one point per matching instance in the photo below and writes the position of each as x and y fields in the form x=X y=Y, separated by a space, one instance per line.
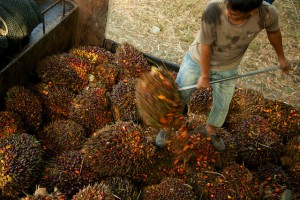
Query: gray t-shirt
x=229 y=42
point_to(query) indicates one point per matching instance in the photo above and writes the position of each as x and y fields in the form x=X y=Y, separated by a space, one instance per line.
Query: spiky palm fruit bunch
x=293 y=153
x=119 y=149
x=65 y=70
x=169 y=188
x=94 y=54
x=283 y=118
x=256 y=143
x=245 y=101
x=10 y=123
x=270 y=181
x=131 y=61
x=106 y=74
x=69 y=172
x=56 y=100
x=21 y=160
x=95 y=192
x=233 y=182
x=123 y=188
x=157 y=99
x=240 y=181
x=294 y=181
x=211 y=185
x=230 y=156
x=62 y=135
x=25 y=103
x=200 y=101
x=123 y=101
x=195 y=147
x=162 y=167
x=92 y=109
x=42 y=194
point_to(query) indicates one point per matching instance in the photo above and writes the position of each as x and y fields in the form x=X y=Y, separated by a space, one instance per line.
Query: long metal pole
x=235 y=77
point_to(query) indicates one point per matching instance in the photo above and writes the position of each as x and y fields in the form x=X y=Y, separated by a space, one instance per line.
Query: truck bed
x=55 y=35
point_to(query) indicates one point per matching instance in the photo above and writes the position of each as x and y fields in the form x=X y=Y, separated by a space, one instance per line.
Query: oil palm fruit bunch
x=92 y=109
x=21 y=162
x=61 y=135
x=294 y=181
x=10 y=123
x=283 y=118
x=195 y=147
x=42 y=194
x=56 y=100
x=200 y=101
x=106 y=74
x=256 y=143
x=270 y=182
x=157 y=99
x=131 y=61
x=119 y=149
x=65 y=70
x=230 y=156
x=245 y=101
x=168 y=188
x=94 y=54
x=123 y=188
x=25 y=103
x=123 y=101
x=211 y=185
x=293 y=151
x=162 y=167
x=240 y=181
x=233 y=182
x=68 y=172
x=96 y=191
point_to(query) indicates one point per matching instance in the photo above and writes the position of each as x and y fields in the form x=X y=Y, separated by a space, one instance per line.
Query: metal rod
x=64 y=8
x=51 y=6
x=44 y=24
x=235 y=77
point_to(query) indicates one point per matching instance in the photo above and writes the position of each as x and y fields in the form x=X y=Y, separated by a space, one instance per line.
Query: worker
x=227 y=28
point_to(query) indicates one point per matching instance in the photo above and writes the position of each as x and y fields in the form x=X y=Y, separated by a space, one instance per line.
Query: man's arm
x=275 y=39
x=204 y=79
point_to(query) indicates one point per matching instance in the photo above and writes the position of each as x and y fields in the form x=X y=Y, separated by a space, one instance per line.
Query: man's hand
x=285 y=65
x=203 y=82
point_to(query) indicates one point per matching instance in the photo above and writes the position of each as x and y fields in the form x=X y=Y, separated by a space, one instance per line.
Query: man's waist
x=217 y=65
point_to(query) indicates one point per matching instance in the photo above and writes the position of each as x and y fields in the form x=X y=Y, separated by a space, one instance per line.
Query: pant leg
x=188 y=74
x=222 y=95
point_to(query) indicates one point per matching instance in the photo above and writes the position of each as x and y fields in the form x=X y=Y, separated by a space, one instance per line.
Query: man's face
x=235 y=14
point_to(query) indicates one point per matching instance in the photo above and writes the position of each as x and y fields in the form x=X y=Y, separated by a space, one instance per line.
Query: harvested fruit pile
x=85 y=130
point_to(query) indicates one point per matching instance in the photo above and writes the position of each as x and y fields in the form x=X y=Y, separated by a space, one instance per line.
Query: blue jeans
x=222 y=92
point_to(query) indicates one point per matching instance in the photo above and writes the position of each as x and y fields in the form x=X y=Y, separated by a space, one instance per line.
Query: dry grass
x=132 y=21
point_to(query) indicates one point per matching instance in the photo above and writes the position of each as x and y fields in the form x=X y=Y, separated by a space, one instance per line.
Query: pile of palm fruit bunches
x=85 y=129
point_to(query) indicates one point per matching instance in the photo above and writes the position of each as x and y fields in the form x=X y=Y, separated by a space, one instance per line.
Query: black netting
x=19 y=17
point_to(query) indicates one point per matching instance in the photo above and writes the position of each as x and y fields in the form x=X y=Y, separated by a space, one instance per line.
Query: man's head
x=243 y=5
x=239 y=9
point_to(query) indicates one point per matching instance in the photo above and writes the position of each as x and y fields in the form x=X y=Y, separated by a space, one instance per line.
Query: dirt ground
x=177 y=21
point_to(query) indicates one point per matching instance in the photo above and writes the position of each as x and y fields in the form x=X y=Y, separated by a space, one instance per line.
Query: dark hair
x=243 y=5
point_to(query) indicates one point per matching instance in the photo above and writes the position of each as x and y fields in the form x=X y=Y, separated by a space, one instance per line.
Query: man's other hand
x=285 y=65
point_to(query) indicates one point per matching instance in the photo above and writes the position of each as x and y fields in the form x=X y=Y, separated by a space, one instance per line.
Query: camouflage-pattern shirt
x=229 y=42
